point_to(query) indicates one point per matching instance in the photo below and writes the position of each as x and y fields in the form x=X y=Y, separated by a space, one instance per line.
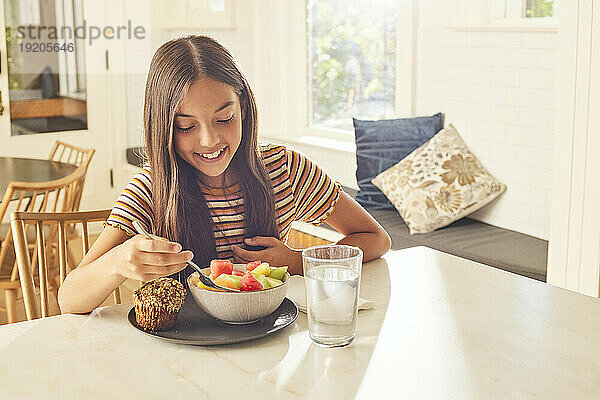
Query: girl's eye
x=180 y=129
x=225 y=121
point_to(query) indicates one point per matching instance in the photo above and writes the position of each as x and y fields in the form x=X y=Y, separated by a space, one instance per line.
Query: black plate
x=194 y=326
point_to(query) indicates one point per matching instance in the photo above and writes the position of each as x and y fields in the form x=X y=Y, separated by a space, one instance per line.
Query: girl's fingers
x=162 y=239
x=158 y=271
x=239 y=259
x=265 y=241
x=247 y=254
x=163 y=259
x=157 y=245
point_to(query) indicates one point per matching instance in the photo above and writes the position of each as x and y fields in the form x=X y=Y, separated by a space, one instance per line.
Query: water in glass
x=332 y=297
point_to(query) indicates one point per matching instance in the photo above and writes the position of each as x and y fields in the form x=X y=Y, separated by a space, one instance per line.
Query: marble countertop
x=442 y=328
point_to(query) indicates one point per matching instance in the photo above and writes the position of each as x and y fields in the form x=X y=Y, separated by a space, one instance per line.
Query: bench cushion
x=474 y=240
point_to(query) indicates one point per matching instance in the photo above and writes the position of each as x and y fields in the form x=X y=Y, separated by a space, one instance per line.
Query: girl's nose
x=207 y=138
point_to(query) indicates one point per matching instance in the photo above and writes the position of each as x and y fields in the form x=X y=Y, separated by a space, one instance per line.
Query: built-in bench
x=474 y=240
x=467 y=238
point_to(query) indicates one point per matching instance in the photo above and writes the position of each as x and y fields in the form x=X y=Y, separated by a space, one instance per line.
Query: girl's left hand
x=276 y=253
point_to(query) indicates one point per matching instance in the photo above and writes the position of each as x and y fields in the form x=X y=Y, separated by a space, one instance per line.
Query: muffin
x=157 y=304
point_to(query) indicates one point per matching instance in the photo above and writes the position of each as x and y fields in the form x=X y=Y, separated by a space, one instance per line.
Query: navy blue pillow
x=381 y=145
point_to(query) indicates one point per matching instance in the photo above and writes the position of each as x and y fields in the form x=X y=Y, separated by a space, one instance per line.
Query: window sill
x=345 y=146
x=504 y=27
x=327 y=143
x=337 y=157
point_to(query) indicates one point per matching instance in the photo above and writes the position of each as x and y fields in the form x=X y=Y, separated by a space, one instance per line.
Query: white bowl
x=238 y=307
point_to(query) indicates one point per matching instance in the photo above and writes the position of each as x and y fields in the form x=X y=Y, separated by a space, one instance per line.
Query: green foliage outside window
x=539 y=8
x=15 y=76
x=353 y=60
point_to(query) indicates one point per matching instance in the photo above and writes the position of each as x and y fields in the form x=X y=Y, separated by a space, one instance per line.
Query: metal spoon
x=205 y=279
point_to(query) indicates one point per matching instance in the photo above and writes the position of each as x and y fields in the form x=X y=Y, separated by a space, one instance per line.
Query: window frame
x=298 y=111
x=514 y=11
x=503 y=15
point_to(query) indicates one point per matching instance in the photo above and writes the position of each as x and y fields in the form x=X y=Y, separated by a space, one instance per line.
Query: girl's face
x=208 y=127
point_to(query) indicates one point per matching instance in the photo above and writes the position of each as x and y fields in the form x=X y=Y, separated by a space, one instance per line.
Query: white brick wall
x=498 y=89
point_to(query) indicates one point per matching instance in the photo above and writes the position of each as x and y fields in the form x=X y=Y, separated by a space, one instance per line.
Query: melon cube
x=278 y=273
x=263 y=280
x=203 y=286
x=273 y=282
x=229 y=281
x=262 y=269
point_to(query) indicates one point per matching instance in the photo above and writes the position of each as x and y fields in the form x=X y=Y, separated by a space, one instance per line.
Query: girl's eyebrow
x=224 y=106
x=216 y=111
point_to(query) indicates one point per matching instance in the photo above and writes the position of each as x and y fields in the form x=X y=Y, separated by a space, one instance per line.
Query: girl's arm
x=112 y=259
x=348 y=218
x=359 y=227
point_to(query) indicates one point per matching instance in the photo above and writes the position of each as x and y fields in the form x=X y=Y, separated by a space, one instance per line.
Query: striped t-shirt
x=303 y=192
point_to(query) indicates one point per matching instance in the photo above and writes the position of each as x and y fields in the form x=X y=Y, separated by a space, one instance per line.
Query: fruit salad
x=256 y=275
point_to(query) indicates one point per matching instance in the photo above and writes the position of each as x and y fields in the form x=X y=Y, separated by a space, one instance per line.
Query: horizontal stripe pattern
x=302 y=191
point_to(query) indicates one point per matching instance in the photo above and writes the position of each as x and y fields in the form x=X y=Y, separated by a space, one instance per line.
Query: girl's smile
x=207 y=130
x=213 y=157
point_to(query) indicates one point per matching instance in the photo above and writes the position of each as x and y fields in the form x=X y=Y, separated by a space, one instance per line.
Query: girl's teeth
x=213 y=155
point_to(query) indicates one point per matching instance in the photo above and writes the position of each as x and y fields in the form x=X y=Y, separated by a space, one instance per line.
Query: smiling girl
x=207 y=186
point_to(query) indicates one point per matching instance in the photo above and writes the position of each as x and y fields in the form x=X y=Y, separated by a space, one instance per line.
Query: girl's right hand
x=144 y=259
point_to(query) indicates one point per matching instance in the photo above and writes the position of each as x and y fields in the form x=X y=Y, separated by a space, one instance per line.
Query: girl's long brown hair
x=180 y=210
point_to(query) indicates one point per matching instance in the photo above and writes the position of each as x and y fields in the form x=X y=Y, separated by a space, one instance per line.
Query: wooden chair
x=57 y=195
x=300 y=240
x=19 y=220
x=69 y=154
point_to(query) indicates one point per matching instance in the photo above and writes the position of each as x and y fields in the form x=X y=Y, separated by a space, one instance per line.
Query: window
x=46 y=66
x=525 y=9
x=540 y=8
x=352 y=61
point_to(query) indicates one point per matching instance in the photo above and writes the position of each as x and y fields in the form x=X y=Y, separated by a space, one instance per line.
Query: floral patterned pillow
x=438 y=183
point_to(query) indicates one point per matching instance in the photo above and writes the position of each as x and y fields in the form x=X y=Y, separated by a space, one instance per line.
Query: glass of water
x=332 y=275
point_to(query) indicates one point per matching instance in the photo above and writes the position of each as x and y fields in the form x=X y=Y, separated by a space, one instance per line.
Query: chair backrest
x=41 y=219
x=69 y=154
x=56 y=195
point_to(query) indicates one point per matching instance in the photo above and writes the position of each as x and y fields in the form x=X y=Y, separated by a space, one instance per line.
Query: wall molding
x=574 y=248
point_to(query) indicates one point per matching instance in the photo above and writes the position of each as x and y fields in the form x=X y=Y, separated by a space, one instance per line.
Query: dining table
x=442 y=327
x=31 y=170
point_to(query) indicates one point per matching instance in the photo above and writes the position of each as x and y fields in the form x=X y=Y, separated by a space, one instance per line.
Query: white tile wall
x=498 y=89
